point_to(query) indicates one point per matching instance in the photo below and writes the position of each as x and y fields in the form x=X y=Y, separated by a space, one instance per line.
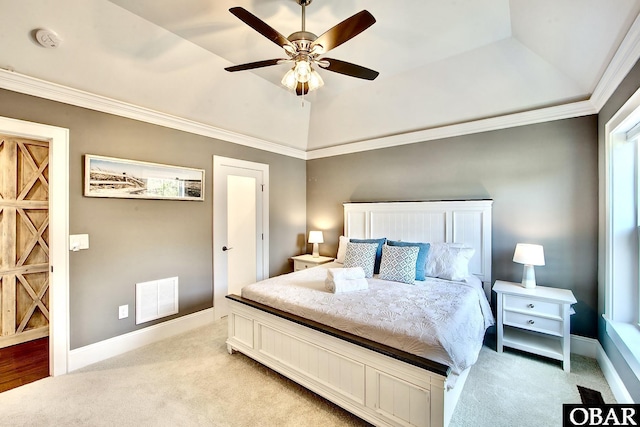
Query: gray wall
x=628 y=87
x=139 y=240
x=543 y=179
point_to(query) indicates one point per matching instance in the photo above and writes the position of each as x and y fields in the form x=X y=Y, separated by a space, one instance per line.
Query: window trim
x=625 y=335
x=637 y=194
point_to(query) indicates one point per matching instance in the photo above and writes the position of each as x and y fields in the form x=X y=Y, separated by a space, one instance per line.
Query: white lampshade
x=315 y=237
x=529 y=255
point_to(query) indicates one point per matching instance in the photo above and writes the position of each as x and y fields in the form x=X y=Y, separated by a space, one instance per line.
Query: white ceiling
x=441 y=62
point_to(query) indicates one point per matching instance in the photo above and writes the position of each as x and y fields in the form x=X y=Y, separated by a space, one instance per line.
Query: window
x=621 y=246
x=623 y=254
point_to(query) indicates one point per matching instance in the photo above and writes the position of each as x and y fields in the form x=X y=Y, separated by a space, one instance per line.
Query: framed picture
x=130 y=179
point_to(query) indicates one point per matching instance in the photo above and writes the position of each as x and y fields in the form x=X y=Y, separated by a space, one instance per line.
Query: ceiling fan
x=305 y=49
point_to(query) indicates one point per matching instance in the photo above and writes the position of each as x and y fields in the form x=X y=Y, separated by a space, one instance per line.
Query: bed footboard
x=380 y=388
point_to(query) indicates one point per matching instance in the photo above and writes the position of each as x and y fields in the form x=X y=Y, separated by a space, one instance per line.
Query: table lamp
x=315 y=237
x=529 y=255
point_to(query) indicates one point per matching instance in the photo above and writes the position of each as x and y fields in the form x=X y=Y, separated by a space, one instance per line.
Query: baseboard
x=583 y=346
x=611 y=375
x=83 y=356
x=592 y=348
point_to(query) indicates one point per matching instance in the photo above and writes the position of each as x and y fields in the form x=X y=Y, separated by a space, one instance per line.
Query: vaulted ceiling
x=442 y=63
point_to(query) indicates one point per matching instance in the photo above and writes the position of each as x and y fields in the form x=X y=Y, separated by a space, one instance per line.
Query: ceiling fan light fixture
x=315 y=81
x=303 y=71
x=289 y=80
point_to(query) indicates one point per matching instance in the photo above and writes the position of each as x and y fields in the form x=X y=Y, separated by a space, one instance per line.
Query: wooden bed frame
x=380 y=384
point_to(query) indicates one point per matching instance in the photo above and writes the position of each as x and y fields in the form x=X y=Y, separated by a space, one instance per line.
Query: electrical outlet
x=123 y=311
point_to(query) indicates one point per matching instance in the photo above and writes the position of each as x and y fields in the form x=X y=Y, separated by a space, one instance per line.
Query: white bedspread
x=436 y=319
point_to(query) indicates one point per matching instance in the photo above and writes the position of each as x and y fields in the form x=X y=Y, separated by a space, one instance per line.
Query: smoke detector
x=47 y=38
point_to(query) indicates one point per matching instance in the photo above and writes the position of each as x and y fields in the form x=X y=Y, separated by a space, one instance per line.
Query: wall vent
x=156 y=299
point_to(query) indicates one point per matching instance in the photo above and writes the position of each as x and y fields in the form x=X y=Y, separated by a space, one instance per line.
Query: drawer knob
x=531 y=322
x=530 y=305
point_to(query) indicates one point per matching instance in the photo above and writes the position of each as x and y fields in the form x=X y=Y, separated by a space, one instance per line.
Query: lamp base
x=528 y=277
x=316 y=252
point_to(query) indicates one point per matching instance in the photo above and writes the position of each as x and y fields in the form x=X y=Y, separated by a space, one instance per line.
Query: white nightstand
x=535 y=320
x=301 y=262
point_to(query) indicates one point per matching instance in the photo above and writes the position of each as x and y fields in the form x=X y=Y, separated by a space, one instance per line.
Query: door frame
x=58 y=233
x=218 y=242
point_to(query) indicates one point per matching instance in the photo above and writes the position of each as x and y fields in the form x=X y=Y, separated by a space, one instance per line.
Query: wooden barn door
x=24 y=240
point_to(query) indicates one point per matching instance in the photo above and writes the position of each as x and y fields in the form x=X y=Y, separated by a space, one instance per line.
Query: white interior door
x=240 y=227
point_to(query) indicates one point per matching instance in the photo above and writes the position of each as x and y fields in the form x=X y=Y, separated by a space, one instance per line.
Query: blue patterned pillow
x=361 y=255
x=399 y=263
x=380 y=242
x=422 y=256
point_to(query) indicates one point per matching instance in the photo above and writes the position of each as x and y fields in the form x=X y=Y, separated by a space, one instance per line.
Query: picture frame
x=133 y=179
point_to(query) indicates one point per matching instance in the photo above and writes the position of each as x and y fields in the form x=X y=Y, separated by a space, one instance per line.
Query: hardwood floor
x=24 y=363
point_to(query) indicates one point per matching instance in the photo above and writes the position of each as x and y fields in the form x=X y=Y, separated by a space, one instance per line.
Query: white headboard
x=467 y=222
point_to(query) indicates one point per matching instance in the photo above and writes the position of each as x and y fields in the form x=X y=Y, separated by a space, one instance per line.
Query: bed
x=411 y=373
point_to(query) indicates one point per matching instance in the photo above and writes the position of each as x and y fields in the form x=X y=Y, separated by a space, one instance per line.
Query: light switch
x=78 y=241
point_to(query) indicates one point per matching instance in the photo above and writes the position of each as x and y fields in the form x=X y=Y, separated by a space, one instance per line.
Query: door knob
x=225 y=249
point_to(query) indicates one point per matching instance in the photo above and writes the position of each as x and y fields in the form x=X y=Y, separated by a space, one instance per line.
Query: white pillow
x=361 y=255
x=342 y=249
x=399 y=263
x=449 y=261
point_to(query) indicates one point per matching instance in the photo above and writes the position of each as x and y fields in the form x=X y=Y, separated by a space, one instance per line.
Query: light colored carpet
x=191 y=380
x=519 y=389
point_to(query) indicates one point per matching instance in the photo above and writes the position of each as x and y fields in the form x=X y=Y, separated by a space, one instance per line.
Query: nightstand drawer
x=533 y=306
x=533 y=323
x=302 y=262
x=302 y=265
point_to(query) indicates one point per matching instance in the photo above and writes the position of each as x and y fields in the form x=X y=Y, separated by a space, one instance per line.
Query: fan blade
x=260 y=26
x=348 y=69
x=302 y=88
x=346 y=30
x=257 y=64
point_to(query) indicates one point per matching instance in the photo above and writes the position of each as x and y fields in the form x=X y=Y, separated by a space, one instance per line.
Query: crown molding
x=622 y=62
x=43 y=89
x=566 y=111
